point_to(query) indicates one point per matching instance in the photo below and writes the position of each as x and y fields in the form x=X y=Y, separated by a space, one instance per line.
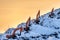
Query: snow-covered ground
x=47 y=29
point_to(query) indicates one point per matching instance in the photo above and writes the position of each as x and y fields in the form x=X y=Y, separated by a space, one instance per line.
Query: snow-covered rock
x=47 y=29
x=9 y=31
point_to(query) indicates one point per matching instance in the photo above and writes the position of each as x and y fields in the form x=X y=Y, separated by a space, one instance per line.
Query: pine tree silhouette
x=51 y=15
x=37 y=17
x=27 y=24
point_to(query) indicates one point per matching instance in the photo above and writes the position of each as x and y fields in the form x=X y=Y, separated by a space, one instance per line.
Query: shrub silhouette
x=13 y=34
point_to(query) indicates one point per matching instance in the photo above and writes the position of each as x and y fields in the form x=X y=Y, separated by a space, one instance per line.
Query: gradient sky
x=14 y=12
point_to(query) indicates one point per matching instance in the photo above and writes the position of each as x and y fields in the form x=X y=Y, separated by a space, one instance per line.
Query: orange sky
x=13 y=12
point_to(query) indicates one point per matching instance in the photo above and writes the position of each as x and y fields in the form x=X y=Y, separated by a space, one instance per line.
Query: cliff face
x=47 y=27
